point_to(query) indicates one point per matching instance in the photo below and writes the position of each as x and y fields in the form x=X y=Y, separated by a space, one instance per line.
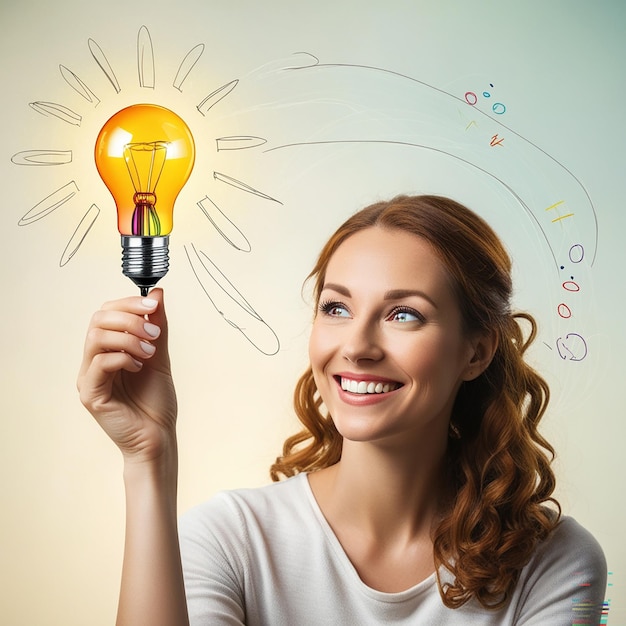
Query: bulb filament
x=145 y=162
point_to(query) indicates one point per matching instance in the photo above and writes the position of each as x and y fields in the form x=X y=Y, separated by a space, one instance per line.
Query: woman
x=420 y=488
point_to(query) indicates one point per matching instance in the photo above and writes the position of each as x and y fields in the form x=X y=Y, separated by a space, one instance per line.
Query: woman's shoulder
x=565 y=577
x=571 y=539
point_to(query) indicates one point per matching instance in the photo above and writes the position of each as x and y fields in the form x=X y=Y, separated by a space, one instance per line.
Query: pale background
x=557 y=66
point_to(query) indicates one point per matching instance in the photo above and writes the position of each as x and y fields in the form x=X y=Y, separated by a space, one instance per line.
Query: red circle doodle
x=564 y=311
x=570 y=285
x=474 y=97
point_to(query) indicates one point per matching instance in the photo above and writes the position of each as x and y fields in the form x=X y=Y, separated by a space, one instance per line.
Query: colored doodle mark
x=495 y=141
x=498 y=108
x=560 y=217
x=472 y=99
x=573 y=346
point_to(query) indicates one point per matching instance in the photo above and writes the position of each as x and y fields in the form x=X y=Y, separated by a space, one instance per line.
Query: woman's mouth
x=362 y=387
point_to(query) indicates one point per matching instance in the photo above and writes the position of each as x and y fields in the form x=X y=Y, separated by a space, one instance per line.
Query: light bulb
x=144 y=155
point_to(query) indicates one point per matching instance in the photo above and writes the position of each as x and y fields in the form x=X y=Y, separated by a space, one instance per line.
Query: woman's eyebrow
x=398 y=294
x=392 y=294
x=344 y=291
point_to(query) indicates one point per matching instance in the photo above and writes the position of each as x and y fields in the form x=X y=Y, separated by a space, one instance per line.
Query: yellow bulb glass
x=144 y=155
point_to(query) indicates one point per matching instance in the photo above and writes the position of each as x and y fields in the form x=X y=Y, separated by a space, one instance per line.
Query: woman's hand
x=125 y=380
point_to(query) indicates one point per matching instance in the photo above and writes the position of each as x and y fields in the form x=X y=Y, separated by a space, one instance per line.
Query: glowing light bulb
x=144 y=155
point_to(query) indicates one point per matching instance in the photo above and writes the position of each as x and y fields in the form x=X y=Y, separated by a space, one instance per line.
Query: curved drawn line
x=78 y=85
x=77 y=238
x=237 y=184
x=438 y=150
x=187 y=65
x=567 y=353
x=222 y=217
x=145 y=59
x=52 y=109
x=240 y=142
x=236 y=297
x=50 y=203
x=213 y=98
x=317 y=64
x=42 y=157
x=103 y=63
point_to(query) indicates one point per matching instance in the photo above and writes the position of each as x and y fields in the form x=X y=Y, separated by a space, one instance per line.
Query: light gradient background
x=558 y=68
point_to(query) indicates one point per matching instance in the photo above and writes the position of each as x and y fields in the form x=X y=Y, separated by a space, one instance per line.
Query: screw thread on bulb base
x=145 y=260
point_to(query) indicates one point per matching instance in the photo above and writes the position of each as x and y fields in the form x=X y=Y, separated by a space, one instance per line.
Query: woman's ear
x=483 y=347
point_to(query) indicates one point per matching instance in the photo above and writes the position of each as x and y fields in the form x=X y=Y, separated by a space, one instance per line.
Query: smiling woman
x=420 y=489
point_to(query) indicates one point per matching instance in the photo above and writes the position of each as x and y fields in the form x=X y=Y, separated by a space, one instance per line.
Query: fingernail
x=149 y=303
x=148 y=348
x=152 y=329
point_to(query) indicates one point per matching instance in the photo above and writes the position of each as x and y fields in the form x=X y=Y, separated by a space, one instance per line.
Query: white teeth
x=363 y=387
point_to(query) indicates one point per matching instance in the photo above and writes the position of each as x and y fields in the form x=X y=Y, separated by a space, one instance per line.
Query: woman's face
x=387 y=350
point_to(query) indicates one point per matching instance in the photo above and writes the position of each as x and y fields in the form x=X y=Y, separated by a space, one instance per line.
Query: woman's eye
x=334 y=309
x=402 y=314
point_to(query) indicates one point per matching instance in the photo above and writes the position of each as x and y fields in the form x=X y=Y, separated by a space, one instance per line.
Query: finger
x=132 y=304
x=95 y=383
x=119 y=326
x=101 y=340
x=128 y=316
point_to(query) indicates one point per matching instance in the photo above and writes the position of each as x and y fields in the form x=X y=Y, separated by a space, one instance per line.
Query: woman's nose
x=362 y=343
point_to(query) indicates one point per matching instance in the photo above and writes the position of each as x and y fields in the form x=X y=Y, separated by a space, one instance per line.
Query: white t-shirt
x=268 y=557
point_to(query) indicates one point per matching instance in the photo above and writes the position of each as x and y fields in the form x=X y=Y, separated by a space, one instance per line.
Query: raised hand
x=125 y=380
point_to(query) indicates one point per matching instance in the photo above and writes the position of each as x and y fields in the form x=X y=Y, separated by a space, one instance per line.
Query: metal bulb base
x=145 y=260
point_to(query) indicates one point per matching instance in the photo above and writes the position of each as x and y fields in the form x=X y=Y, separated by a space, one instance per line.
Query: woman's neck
x=382 y=511
x=383 y=492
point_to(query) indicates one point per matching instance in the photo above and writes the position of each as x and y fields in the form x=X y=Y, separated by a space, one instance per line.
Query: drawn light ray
x=78 y=85
x=50 y=203
x=145 y=59
x=213 y=98
x=241 y=142
x=224 y=226
x=235 y=310
x=52 y=109
x=42 y=157
x=103 y=64
x=237 y=184
x=77 y=238
x=187 y=65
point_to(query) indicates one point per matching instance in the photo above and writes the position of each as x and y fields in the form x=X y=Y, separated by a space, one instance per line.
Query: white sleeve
x=565 y=581
x=212 y=540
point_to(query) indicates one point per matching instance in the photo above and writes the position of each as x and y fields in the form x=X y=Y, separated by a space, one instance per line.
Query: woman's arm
x=125 y=382
x=152 y=590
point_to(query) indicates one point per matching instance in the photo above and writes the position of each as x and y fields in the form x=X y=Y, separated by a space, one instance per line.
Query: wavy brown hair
x=499 y=465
